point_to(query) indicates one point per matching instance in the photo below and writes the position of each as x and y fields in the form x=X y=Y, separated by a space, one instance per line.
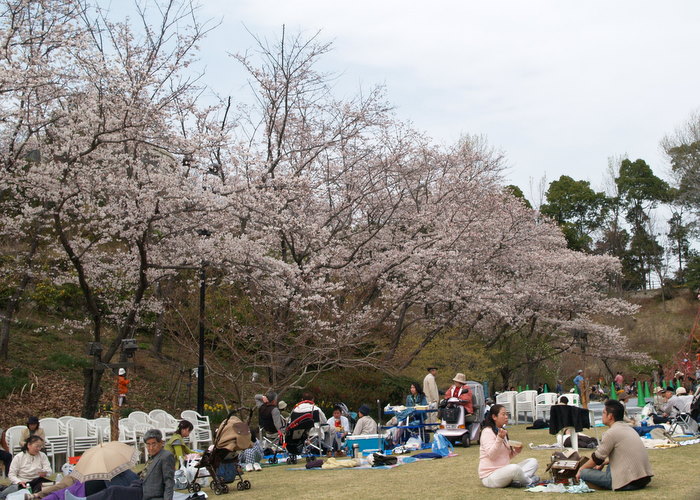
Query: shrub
x=13 y=381
x=61 y=361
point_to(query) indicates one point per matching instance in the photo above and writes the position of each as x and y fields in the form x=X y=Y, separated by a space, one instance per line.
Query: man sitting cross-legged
x=622 y=449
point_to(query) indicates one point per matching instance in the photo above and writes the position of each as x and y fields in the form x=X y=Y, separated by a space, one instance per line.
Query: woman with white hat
x=461 y=391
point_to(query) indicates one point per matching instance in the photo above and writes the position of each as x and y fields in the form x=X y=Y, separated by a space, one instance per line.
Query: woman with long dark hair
x=496 y=450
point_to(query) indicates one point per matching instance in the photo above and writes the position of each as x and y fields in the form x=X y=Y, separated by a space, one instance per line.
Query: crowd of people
x=30 y=469
x=620 y=461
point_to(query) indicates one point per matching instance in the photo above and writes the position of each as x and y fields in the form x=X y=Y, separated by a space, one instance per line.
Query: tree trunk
x=13 y=304
x=506 y=373
x=92 y=390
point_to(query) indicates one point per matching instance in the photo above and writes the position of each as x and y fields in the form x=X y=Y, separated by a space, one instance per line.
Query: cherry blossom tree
x=90 y=151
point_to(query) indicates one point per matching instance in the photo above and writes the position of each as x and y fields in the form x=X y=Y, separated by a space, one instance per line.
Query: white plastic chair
x=58 y=437
x=13 y=435
x=103 y=426
x=64 y=420
x=507 y=399
x=83 y=435
x=127 y=423
x=142 y=418
x=524 y=404
x=164 y=420
x=543 y=404
x=201 y=434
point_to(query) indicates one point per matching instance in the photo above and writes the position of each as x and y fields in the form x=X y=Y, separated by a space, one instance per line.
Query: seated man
x=622 y=449
x=461 y=391
x=365 y=424
x=270 y=417
x=157 y=478
x=670 y=408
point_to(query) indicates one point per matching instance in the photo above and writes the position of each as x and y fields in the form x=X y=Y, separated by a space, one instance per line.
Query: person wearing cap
x=685 y=399
x=461 y=391
x=365 y=424
x=122 y=386
x=32 y=429
x=282 y=406
x=270 y=417
x=672 y=407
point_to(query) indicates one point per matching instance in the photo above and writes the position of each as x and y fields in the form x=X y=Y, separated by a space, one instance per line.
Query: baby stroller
x=277 y=445
x=232 y=437
x=297 y=434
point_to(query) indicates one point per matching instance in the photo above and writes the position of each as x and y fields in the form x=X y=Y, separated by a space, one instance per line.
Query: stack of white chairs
x=83 y=435
x=201 y=434
x=64 y=420
x=57 y=439
x=141 y=417
x=103 y=426
x=525 y=404
x=543 y=404
x=164 y=421
x=507 y=399
x=13 y=435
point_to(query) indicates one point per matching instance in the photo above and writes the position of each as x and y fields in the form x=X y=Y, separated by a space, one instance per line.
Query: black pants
x=119 y=493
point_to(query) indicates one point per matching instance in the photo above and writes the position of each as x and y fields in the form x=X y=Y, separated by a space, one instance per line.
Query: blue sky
x=558 y=86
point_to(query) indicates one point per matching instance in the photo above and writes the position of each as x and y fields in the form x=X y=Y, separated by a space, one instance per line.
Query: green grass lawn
x=676 y=477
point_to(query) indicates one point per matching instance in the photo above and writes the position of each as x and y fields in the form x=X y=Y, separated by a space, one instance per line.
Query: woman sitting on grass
x=29 y=468
x=495 y=452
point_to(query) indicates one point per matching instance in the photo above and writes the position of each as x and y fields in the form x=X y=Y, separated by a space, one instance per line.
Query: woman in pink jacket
x=495 y=452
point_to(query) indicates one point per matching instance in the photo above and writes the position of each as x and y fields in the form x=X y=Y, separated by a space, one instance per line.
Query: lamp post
x=202 y=301
x=200 y=366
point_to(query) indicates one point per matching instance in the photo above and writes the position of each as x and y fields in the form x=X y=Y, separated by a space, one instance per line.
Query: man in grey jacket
x=157 y=478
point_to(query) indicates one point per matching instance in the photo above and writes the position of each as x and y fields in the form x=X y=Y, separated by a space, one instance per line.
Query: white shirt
x=344 y=425
x=25 y=467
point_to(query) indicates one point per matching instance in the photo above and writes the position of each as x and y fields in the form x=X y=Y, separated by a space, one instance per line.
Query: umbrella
x=105 y=461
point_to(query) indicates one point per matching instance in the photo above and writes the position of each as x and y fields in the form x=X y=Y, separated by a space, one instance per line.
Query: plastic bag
x=18 y=495
x=180 y=479
x=413 y=443
x=441 y=445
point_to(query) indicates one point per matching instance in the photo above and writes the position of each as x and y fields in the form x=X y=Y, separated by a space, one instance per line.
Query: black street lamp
x=202 y=301
x=200 y=366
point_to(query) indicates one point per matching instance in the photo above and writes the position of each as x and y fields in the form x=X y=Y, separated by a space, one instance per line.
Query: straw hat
x=681 y=390
x=460 y=378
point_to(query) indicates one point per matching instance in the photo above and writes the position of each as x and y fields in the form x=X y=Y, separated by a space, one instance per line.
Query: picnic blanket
x=581 y=487
x=362 y=463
